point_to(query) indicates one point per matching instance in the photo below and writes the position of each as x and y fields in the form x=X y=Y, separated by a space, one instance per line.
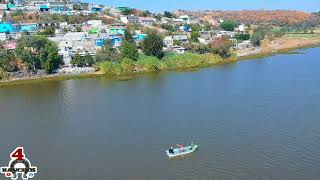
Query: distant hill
x=253 y=16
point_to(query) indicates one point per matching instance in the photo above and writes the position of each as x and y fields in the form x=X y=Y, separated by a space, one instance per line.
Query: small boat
x=174 y=152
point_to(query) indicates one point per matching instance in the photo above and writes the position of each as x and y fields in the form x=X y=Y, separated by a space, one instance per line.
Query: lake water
x=257 y=119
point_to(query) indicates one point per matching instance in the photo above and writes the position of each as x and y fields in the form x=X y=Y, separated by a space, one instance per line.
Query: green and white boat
x=174 y=152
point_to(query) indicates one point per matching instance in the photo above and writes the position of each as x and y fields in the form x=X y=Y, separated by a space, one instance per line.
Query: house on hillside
x=185 y=29
x=57 y=7
x=6 y=28
x=188 y=19
x=116 y=31
x=44 y=8
x=139 y=37
x=94 y=23
x=3 y=36
x=178 y=49
x=25 y=27
x=133 y=19
x=147 y=20
x=182 y=38
x=168 y=41
x=3 y=8
x=96 y=9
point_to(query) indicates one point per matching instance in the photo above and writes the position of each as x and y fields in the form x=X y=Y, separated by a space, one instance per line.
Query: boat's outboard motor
x=171 y=151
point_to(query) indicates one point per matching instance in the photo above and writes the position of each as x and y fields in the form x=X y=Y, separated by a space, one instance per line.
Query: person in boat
x=171 y=151
x=181 y=147
x=192 y=146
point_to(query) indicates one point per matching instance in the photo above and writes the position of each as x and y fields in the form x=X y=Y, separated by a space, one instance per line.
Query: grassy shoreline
x=129 y=75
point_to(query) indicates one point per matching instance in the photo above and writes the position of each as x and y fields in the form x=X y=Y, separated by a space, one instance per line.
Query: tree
x=197 y=48
x=6 y=61
x=127 y=11
x=107 y=53
x=78 y=28
x=82 y=61
x=129 y=50
x=3 y=74
x=146 y=13
x=228 y=25
x=195 y=27
x=242 y=36
x=221 y=46
x=158 y=17
x=48 y=31
x=168 y=14
x=194 y=36
x=152 y=45
x=128 y=36
x=50 y=58
x=257 y=36
x=38 y=52
x=77 y=7
x=170 y=27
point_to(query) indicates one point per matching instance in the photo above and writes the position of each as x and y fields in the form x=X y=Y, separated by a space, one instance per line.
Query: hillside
x=253 y=16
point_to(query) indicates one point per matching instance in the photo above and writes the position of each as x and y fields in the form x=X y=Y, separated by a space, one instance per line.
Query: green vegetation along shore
x=128 y=68
x=169 y=62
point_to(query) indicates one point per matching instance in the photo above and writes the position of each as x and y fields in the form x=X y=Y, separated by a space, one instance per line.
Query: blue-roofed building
x=139 y=37
x=57 y=7
x=32 y=27
x=115 y=40
x=116 y=30
x=44 y=8
x=11 y=6
x=100 y=41
x=6 y=28
x=96 y=9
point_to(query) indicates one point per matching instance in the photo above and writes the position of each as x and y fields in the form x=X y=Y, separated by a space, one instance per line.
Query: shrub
x=149 y=63
x=82 y=61
x=221 y=46
x=127 y=65
x=129 y=50
x=111 y=68
x=190 y=60
x=3 y=74
x=258 y=35
x=228 y=25
x=242 y=36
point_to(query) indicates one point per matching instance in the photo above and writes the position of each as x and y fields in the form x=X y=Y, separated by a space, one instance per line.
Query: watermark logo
x=19 y=165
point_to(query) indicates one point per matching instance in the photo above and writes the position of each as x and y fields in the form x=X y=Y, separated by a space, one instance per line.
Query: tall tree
x=128 y=36
x=152 y=45
x=107 y=53
x=258 y=36
x=221 y=46
x=194 y=36
x=228 y=25
x=129 y=50
x=38 y=52
x=168 y=14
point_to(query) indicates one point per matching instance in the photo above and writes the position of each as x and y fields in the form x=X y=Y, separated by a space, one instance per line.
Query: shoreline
x=61 y=77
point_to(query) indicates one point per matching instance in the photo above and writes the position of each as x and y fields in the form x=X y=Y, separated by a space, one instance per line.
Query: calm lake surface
x=257 y=119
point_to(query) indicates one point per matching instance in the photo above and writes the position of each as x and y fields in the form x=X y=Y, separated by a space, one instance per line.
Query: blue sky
x=161 y=5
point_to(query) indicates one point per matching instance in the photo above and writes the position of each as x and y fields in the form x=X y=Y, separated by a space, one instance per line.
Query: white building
x=94 y=23
x=168 y=41
x=178 y=49
x=147 y=20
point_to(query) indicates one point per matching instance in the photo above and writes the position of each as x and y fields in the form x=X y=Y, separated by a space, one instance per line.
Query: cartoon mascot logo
x=19 y=164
